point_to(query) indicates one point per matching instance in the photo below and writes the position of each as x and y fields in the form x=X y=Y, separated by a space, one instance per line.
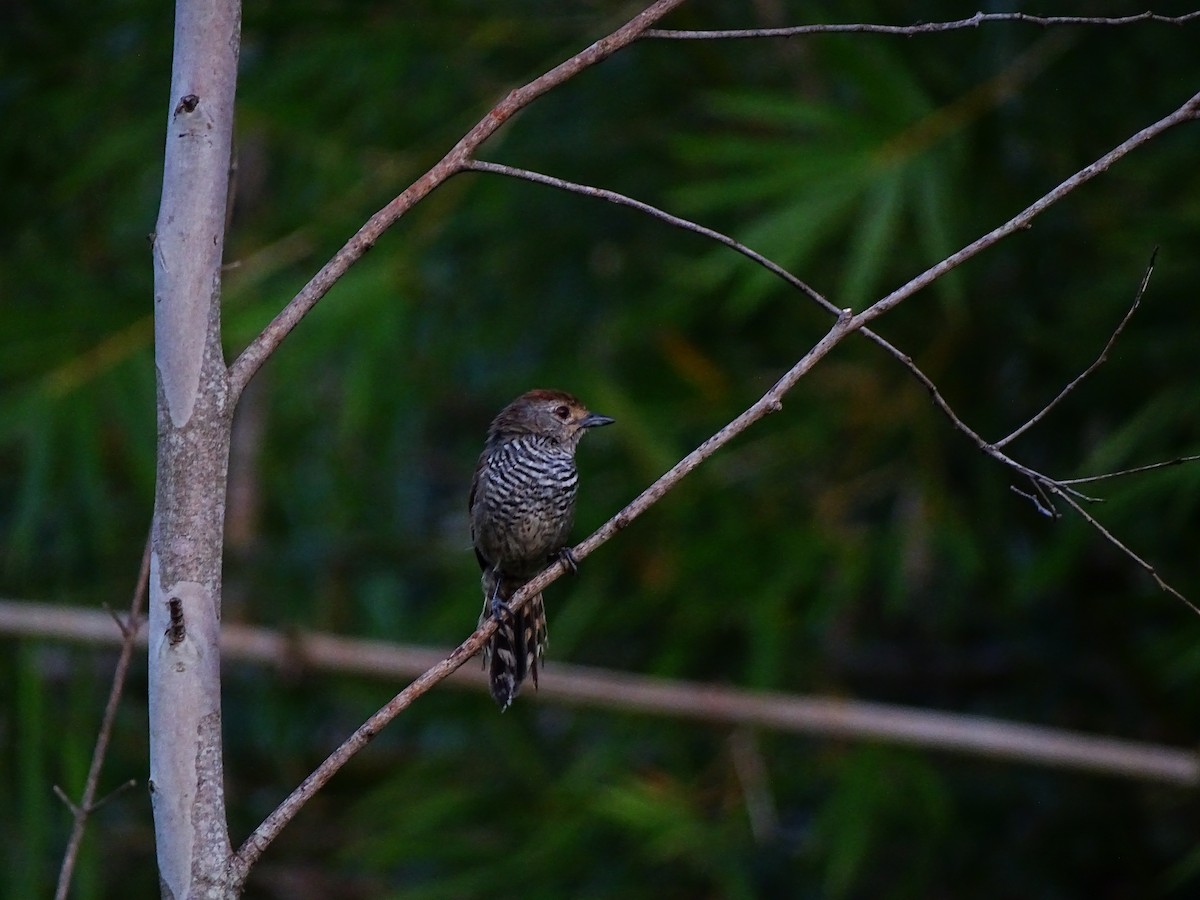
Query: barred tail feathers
x=516 y=649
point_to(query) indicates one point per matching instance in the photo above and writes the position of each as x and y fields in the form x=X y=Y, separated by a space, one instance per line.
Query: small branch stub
x=187 y=104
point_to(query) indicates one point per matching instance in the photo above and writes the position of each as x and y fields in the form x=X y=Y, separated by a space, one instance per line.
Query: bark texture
x=194 y=417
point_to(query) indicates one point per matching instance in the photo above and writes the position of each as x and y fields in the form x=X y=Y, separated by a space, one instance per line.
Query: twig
x=911 y=30
x=1134 y=471
x=87 y=803
x=606 y=689
x=1112 y=539
x=1188 y=112
x=111 y=795
x=257 y=352
x=66 y=801
x=1100 y=360
x=1037 y=498
x=619 y=199
x=121 y=626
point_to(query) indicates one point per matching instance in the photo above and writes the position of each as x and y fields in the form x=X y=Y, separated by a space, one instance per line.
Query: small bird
x=522 y=506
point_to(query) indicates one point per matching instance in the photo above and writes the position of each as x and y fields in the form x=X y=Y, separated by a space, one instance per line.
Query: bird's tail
x=517 y=647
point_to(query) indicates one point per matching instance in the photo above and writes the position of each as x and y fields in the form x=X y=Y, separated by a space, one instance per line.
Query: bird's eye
x=563 y=413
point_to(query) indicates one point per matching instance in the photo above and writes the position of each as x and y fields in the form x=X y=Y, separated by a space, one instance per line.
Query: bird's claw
x=567 y=556
x=500 y=608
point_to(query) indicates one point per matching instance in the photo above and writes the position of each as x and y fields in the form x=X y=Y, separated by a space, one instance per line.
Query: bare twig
x=912 y=30
x=1134 y=471
x=1112 y=539
x=66 y=801
x=87 y=803
x=605 y=689
x=1037 y=499
x=121 y=626
x=1188 y=112
x=1100 y=360
x=619 y=199
x=111 y=795
x=257 y=352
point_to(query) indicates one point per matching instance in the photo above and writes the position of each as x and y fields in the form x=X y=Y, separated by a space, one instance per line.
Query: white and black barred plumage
x=522 y=506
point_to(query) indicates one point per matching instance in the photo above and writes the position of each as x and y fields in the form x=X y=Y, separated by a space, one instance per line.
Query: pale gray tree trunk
x=194 y=414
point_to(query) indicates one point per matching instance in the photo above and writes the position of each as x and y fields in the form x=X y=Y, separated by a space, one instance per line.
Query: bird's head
x=555 y=415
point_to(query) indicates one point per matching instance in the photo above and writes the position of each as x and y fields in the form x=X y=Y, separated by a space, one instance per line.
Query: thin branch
x=121 y=626
x=770 y=265
x=606 y=689
x=912 y=30
x=111 y=795
x=1134 y=471
x=1036 y=498
x=1100 y=360
x=1112 y=539
x=619 y=199
x=1188 y=112
x=257 y=352
x=87 y=803
x=66 y=801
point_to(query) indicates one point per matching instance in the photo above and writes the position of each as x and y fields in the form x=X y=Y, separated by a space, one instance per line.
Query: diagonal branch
x=1134 y=471
x=1100 y=360
x=257 y=352
x=619 y=199
x=87 y=803
x=921 y=28
x=1188 y=112
x=1112 y=539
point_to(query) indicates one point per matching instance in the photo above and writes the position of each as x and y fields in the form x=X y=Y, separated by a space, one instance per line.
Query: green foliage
x=852 y=544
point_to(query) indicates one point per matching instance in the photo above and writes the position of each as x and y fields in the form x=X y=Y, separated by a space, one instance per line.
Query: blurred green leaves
x=869 y=165
x=852 y=544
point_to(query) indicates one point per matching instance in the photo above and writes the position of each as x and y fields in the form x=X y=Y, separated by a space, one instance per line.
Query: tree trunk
x=194 y=418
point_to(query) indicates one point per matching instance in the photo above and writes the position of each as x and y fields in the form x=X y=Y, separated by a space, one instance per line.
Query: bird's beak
x=595 y=420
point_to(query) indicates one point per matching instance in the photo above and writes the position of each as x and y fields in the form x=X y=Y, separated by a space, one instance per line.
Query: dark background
x=853 y=545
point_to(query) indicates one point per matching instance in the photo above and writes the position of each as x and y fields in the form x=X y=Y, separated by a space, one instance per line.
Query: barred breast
x=524 y=504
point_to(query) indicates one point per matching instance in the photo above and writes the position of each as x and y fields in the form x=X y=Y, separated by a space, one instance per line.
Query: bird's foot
x=499 y=607
x=567 y=557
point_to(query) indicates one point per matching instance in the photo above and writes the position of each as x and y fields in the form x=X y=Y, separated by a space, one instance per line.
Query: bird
x=522 y=506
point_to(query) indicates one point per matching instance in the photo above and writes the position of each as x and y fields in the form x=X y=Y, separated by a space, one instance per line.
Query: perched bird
x=522 y=505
